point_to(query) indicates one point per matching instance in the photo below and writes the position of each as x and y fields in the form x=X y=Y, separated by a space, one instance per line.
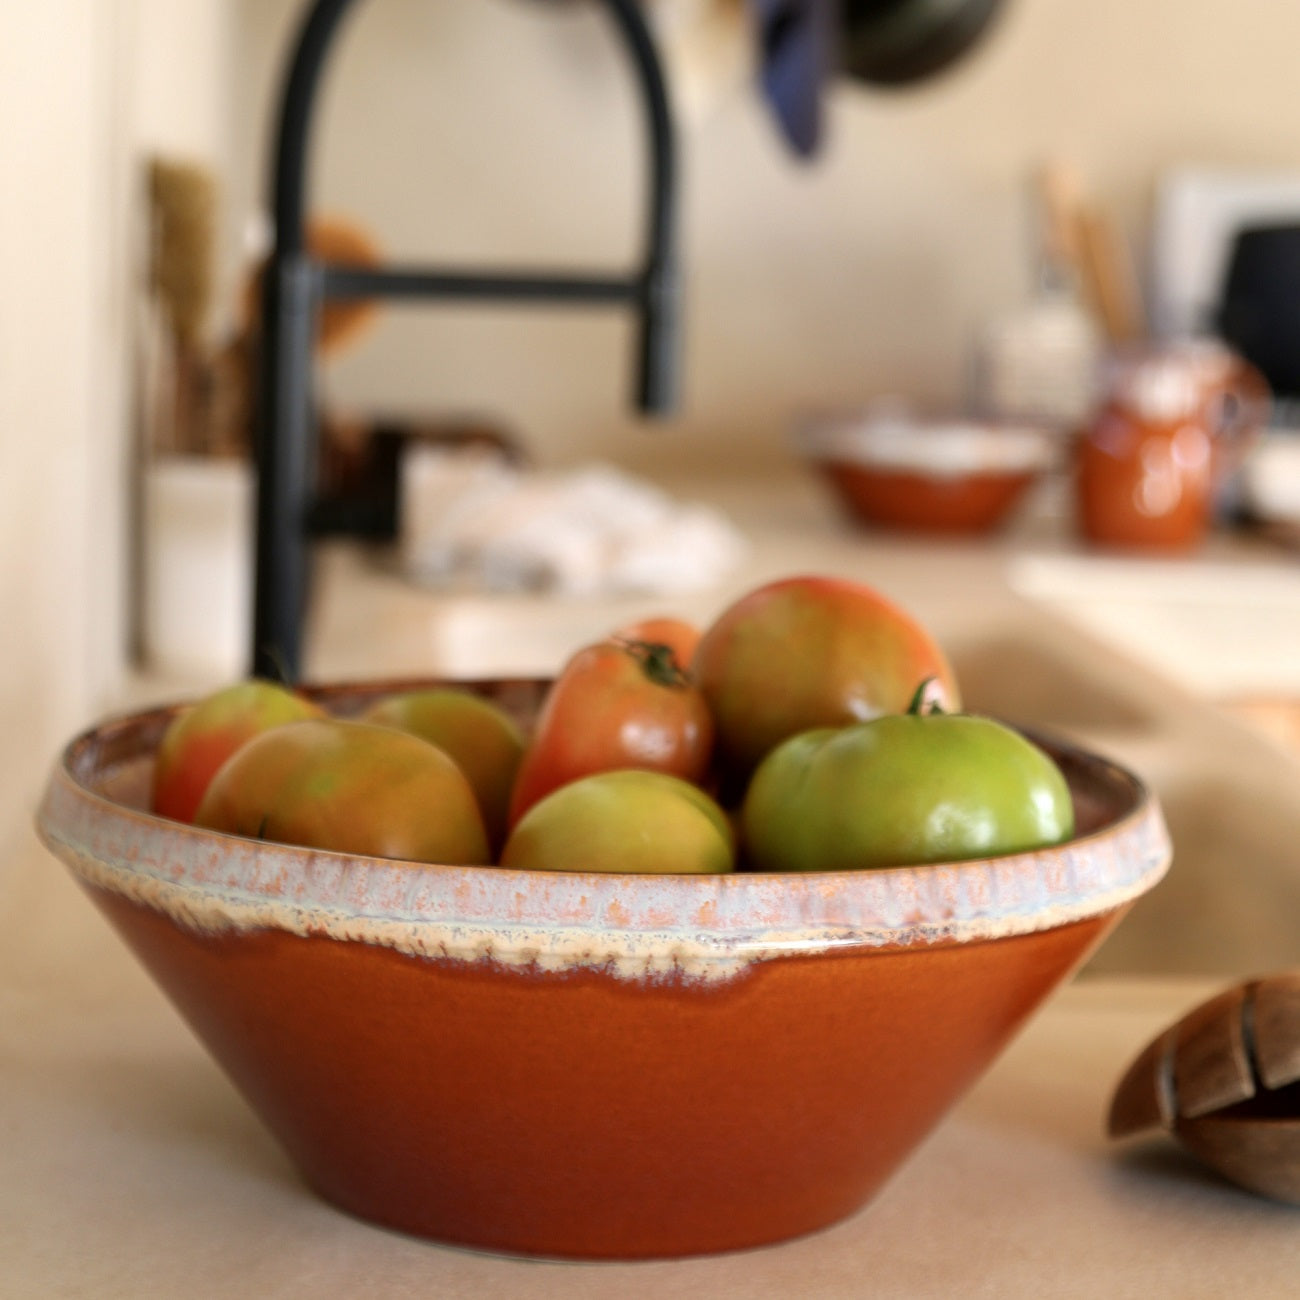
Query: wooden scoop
x=1225 y=1080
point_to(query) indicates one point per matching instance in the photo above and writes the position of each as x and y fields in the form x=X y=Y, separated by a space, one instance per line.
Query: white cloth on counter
x=471 y=520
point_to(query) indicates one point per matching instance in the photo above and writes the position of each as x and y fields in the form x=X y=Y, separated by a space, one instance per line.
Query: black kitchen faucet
x=296 y=285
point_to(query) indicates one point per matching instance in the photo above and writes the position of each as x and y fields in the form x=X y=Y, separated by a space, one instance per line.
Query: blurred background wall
x=87 y=89
x=506 y=130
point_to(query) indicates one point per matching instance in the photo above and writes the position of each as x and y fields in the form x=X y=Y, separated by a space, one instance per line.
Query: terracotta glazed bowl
x=891 y=470
x=591 y=1065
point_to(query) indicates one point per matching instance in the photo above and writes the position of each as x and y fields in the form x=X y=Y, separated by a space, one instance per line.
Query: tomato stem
x=658 y=661
x=916 y=707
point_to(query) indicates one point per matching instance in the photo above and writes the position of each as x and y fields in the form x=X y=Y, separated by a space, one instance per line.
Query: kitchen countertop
x=129 y=1167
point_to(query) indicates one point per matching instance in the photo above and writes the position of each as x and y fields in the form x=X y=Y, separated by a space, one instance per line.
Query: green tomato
x=623 y=820
x=485 y=742
x=901 y=790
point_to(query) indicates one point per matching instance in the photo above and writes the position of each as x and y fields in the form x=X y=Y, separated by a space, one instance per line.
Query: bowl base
x=683 y=1117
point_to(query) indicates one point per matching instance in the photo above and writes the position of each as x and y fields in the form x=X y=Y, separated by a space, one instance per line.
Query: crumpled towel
x=471 y=521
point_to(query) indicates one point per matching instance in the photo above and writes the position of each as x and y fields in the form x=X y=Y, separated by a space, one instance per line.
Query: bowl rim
x=672 y=925
x=887 y=443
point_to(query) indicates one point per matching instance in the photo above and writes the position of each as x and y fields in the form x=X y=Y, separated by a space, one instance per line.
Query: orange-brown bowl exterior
x=971 y=502
x=661 y=1066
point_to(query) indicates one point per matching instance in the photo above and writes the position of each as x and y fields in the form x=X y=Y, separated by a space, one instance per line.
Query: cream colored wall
x=57 y=423
x=500 y=129
x=88 y=87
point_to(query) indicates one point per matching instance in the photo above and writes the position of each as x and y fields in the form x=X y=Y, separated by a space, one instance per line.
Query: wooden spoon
x=1225 y=1080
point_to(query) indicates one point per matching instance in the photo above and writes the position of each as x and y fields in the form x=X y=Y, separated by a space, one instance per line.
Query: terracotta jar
x=1174 y=422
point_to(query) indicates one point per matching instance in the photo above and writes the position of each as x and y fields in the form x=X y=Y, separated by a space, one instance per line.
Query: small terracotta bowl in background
x=896 y=471
x=591 y=1065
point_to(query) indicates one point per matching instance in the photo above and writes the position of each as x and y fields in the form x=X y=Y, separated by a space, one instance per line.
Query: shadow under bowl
x=591 y=1065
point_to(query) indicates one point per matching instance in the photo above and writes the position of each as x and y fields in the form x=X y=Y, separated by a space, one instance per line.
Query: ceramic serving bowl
x=591 y=1065
x=898 y=471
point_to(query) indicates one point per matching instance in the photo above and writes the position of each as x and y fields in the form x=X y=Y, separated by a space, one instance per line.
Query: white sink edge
x=1220 y=629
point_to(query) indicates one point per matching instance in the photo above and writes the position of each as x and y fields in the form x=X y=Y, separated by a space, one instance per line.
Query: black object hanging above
x=1259 y=312
x=296 y=284
x=900 y=42
x=882 y=43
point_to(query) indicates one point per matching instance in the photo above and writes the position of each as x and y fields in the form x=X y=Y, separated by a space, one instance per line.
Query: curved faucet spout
x=295 y=285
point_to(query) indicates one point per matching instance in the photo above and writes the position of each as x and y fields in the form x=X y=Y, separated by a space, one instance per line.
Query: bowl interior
x=903 y=441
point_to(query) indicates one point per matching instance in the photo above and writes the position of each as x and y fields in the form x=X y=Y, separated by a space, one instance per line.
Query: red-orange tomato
x=200 y=739
x=677 y=634
x=616 y=704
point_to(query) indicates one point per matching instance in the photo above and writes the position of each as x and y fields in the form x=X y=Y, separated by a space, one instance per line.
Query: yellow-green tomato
x=623 y=820
x=485 y=741
x=348 y=786
x=901 y=790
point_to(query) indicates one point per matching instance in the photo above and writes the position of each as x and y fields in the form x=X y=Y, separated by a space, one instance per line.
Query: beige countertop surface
x=130 y=1167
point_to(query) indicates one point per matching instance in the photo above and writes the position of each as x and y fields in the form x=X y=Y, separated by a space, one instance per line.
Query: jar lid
x=1167 y=382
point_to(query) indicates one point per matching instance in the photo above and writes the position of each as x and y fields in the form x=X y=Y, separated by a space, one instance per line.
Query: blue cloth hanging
x=796 y=40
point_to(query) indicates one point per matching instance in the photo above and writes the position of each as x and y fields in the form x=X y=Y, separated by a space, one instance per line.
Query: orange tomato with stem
x=677 y=634
x=616 y=704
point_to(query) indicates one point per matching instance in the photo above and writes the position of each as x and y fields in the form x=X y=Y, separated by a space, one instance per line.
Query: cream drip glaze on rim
x=944 y=449
x=707 y=929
